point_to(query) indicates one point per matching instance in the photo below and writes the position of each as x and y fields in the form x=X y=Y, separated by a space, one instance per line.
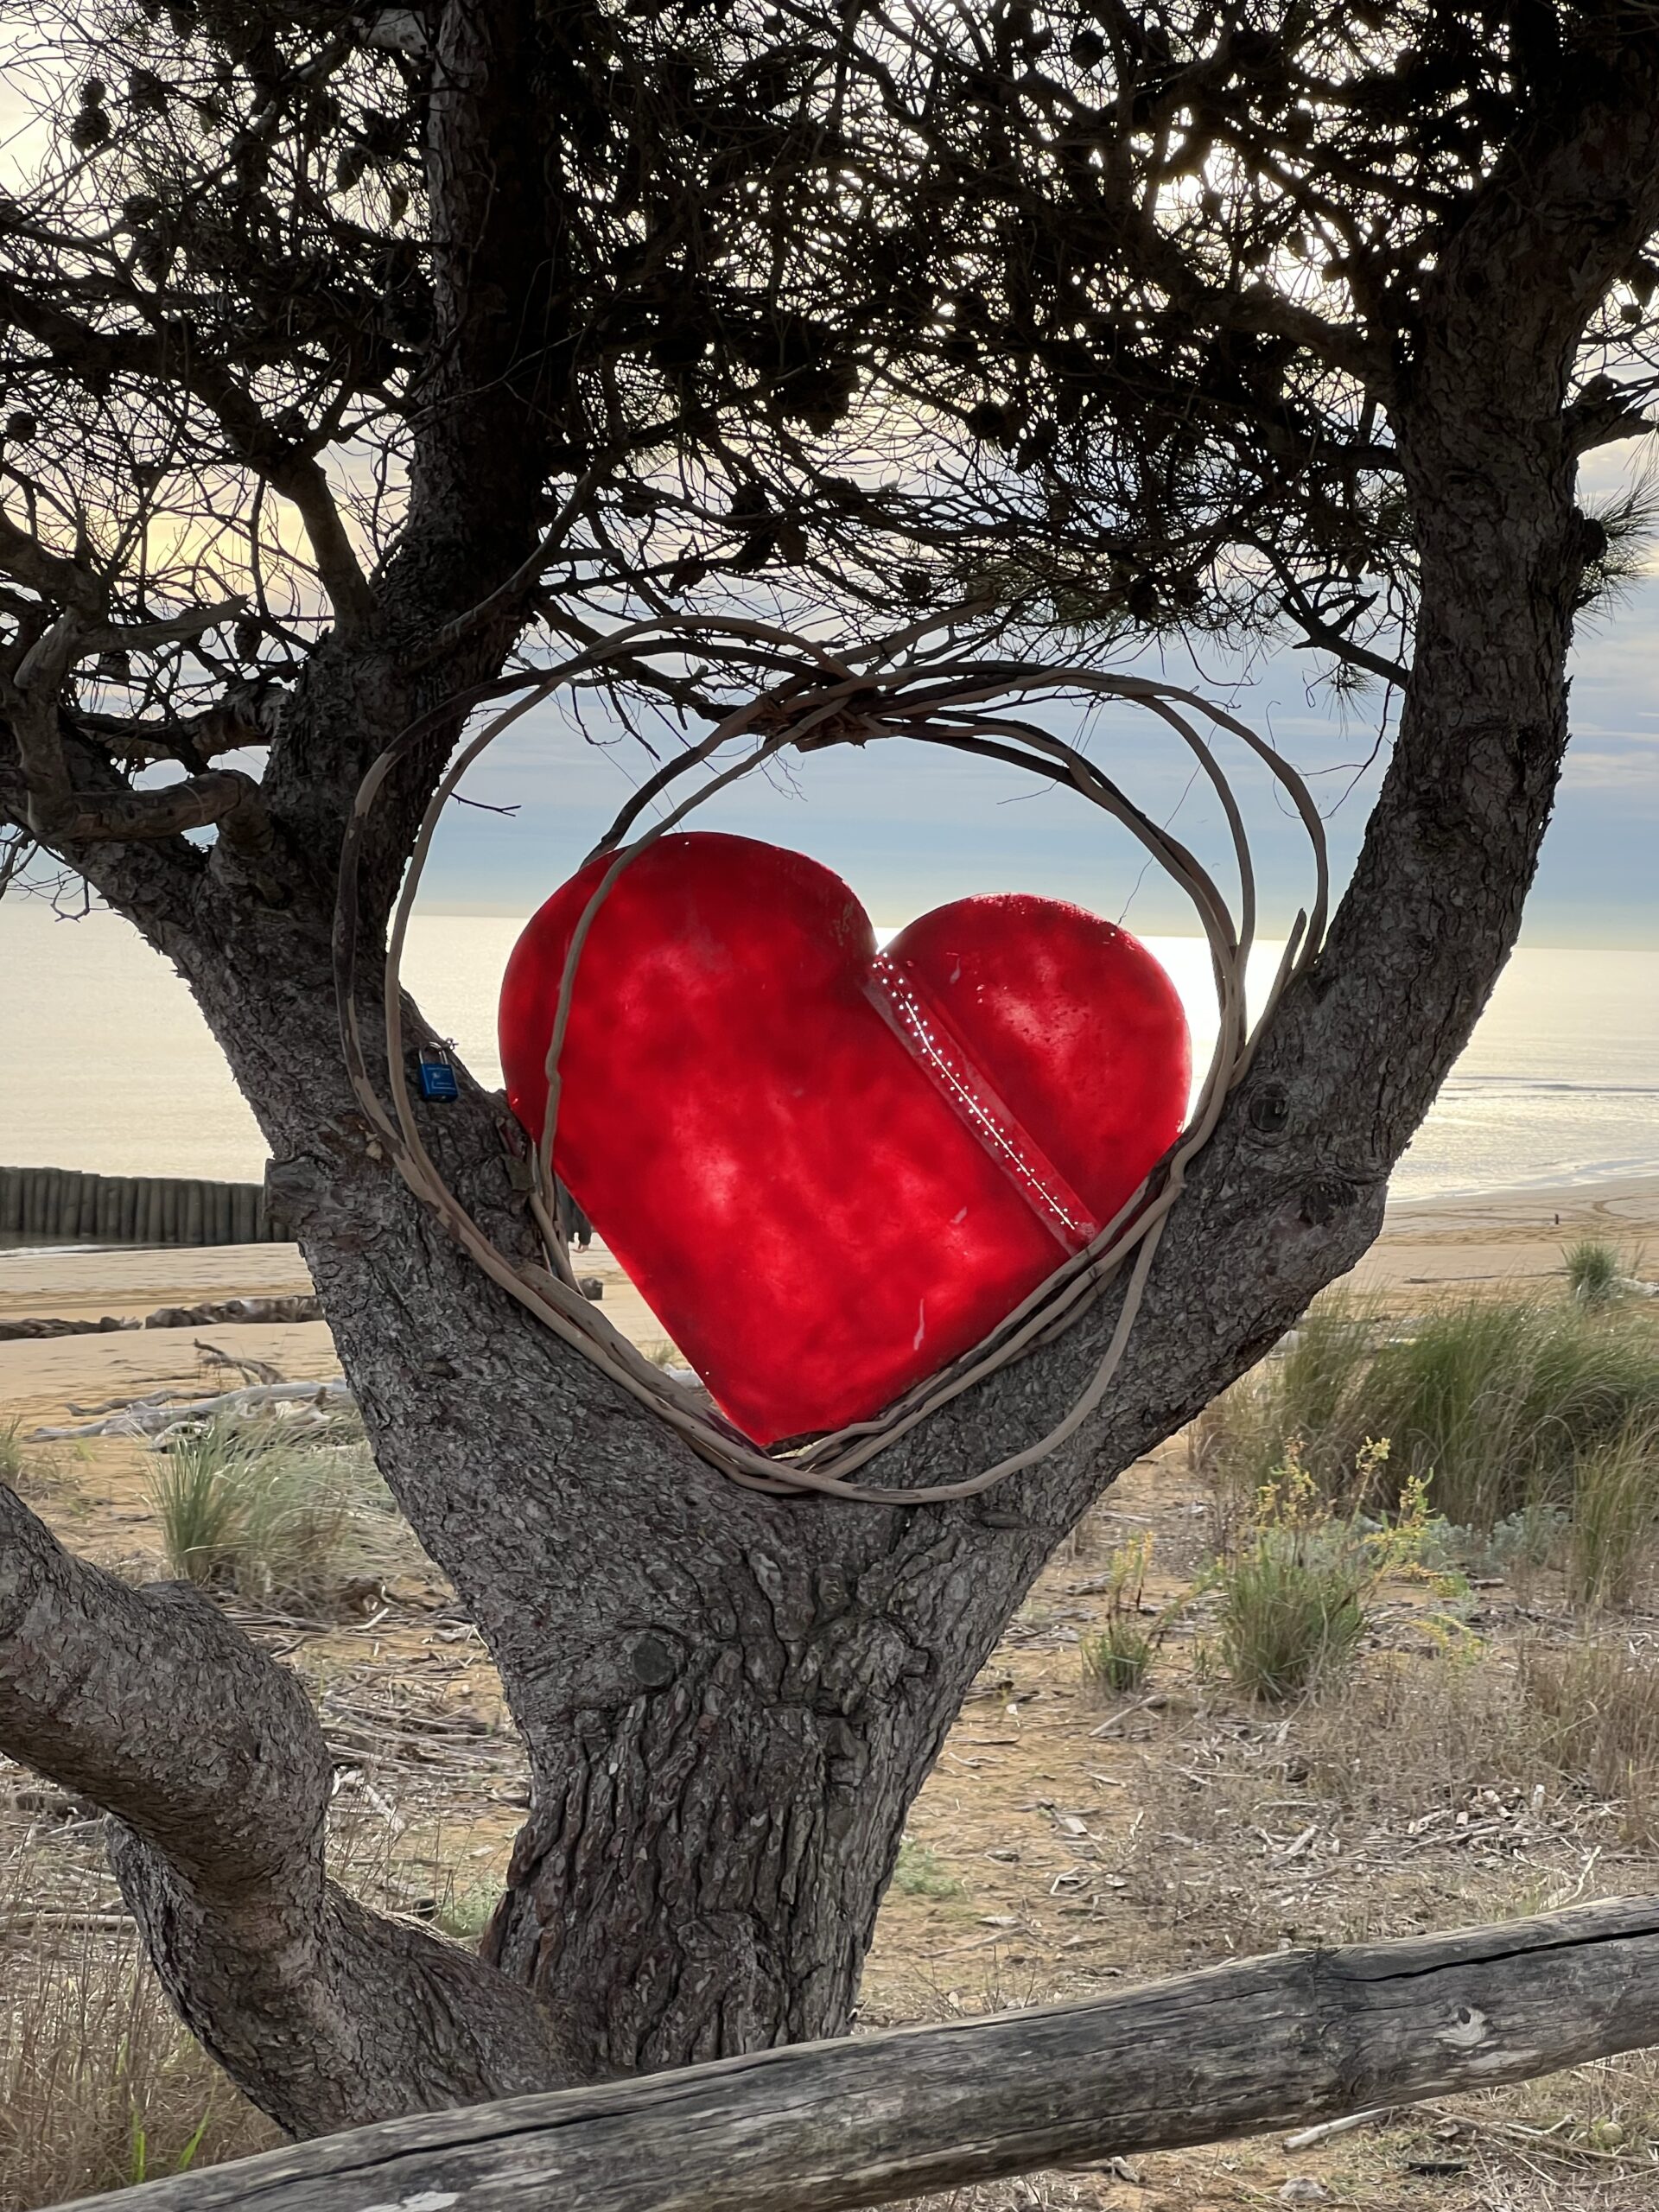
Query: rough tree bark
x=728 y=1701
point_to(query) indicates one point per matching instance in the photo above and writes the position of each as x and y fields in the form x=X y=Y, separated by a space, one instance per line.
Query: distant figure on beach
x=573 y=1225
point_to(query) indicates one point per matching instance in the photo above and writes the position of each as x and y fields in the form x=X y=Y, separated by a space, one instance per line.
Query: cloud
x=1590 y=770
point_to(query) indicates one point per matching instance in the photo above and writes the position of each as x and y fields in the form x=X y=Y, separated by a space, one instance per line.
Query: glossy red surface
x=830 y=1171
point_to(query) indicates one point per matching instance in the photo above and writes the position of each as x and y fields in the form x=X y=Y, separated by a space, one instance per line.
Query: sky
x=909 y=827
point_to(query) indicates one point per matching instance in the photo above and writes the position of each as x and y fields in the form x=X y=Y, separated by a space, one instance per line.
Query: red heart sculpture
x=831 y=1169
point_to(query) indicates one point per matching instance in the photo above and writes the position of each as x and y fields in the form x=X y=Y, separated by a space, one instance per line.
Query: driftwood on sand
x=150 y=1417
x=215 y=1314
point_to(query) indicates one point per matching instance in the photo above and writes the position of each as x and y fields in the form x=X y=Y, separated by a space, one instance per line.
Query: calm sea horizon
x=108 y=1067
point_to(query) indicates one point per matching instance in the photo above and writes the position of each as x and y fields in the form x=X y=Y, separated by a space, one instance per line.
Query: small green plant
x=141 y=2161
x=1594 y=1272
x=920 y=1872
x=1520 y=1544
x=1116 y=1657
x=1295 y=1596
x=466 y=1913
x=11 y=1452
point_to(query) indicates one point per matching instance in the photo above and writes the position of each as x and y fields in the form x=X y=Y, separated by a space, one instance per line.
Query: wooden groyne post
x=59 y=1205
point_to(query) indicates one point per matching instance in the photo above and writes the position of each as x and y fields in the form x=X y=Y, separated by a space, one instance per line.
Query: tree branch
x=60 y=580
x=1321 y=636
x=169 y=358
x=208 y=1754
x=248 y=716
x=155 y=878
x=57 y=812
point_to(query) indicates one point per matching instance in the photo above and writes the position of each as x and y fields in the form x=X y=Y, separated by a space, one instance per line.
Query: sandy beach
x=1427 y=1246
x=1067 y=1841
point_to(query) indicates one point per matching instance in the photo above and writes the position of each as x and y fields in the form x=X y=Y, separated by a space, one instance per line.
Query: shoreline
x=1427 y=1247
x=1628 y=1194
x=1613 y=1204
x=1631 y=1193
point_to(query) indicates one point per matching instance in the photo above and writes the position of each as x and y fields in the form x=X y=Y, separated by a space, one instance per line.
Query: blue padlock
x=437 y=1073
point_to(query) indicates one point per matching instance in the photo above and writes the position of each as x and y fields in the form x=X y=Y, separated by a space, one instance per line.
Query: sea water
x=105 y=1065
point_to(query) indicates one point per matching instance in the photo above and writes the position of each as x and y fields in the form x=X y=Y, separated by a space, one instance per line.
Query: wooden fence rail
x=59 y=1205
x=829 y=2127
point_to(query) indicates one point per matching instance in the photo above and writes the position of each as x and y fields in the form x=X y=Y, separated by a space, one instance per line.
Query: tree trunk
x=729 y=1700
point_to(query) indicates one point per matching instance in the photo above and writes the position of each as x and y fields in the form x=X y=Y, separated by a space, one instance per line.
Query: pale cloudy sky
x=909 y=827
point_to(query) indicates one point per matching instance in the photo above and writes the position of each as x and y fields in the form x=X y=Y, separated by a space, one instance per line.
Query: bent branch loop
x=816 y=698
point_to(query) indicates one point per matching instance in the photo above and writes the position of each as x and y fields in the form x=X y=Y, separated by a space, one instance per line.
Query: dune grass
x=246 y=1508
x=1498 y=1406
x=1594 y=1271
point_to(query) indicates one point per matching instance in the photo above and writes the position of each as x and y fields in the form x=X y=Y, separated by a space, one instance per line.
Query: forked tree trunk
x=729 y=1701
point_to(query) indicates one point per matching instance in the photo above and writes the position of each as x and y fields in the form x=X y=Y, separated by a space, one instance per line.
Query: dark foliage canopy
x=1088 y=313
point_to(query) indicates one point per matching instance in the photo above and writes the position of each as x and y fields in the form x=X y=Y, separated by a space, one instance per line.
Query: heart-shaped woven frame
x=813 y=698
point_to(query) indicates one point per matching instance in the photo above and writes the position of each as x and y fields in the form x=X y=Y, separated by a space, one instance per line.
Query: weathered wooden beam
x=1303 y=2036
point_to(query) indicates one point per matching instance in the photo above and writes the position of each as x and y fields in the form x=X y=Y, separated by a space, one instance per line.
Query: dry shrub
x=1403 y=1738
x=101 y=2087
x=1408 y=1736
x=1390 y=1770
x=1612 y=2104
x=1609 y=1540
x=1595 y=1713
